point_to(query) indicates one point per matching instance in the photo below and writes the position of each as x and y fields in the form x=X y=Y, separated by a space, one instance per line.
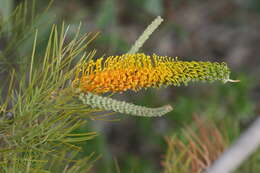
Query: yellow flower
x=136 y=71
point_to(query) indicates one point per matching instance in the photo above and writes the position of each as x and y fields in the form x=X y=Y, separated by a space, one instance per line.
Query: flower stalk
x=96 y=101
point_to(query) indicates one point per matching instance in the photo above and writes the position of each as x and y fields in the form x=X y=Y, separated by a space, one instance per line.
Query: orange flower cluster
x=136 y=71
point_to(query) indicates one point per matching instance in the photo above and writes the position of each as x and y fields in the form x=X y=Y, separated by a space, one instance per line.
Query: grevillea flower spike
x=136 y=71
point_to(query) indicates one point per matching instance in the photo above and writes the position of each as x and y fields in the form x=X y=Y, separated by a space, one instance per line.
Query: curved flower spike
x=96 y=101
x=137 y=71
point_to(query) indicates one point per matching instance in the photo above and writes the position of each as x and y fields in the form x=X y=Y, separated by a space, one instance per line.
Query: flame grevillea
x=136 y=71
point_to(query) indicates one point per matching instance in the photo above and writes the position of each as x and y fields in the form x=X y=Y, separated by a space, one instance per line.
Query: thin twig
x=239 y=152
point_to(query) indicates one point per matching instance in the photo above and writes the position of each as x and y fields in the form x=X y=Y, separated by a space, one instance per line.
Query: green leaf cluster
x=39 y=112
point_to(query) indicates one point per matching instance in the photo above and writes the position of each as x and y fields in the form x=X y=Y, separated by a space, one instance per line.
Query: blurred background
x=201 y=30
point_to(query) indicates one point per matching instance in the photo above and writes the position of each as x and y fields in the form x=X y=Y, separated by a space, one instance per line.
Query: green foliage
x=39 y=112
